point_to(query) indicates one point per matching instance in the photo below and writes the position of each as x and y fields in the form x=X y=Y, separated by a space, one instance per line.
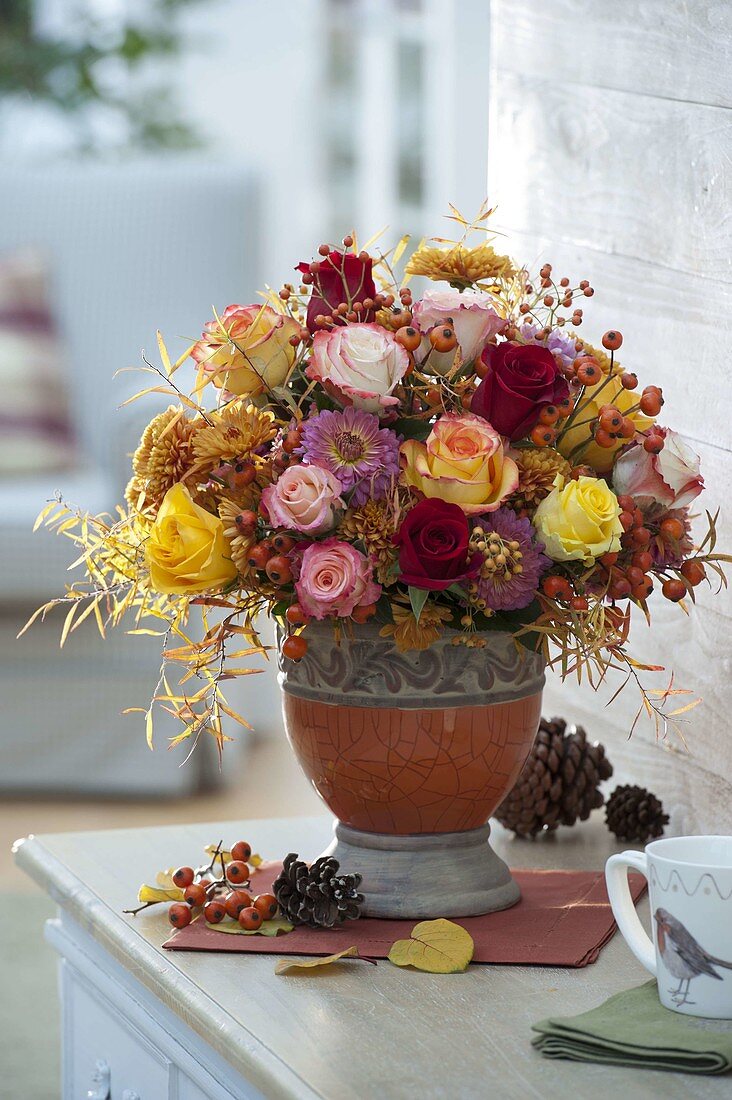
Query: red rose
x=521 y=379
x=343 y=278
x=433 y=546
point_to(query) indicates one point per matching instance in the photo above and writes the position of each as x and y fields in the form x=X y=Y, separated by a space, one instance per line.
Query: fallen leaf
x=438 y=946
x=312 y=964
x=149 y=894
x=275 y=927
x=165 y=879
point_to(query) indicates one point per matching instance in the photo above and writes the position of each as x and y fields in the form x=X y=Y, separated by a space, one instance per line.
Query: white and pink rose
x=304 y=498
x=671 y=477
x=335 y=578
x=359 y=365
x=471 y=314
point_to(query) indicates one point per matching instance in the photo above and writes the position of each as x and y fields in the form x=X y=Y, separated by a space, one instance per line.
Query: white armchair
x=131 y=249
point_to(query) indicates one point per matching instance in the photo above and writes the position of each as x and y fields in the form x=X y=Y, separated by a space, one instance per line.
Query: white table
x=185 y=1025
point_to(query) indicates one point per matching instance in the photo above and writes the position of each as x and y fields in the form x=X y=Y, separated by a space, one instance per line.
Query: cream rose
x=672 y=477
x=473 y=317
x=463 y=461
x=304 y=498
x=579 y=521
x=360 y=365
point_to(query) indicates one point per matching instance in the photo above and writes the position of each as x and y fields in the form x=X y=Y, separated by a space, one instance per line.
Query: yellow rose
x=187 y=551
x=603 y=393
x=463 y=462
x=248 y=351
x=579 y=521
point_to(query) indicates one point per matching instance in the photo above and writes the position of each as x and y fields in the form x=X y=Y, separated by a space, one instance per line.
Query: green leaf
x=417 y=598
x=412 y=428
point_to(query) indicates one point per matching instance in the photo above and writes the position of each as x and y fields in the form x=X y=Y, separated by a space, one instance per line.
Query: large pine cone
x=559 y=782
x=634 y=814
x=317 y=895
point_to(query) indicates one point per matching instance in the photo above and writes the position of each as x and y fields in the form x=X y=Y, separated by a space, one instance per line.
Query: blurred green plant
x=98 y=67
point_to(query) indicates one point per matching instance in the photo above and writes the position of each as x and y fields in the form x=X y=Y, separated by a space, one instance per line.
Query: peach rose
x=304 y=498
x=248 y=351
x=360 y=365
x=335 y=578
x=463 y=462
x=671 y=477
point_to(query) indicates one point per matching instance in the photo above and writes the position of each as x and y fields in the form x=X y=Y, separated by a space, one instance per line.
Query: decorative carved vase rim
x=363 y=669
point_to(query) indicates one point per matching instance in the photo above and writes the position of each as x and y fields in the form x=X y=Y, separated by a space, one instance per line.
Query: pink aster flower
x=352 y=445
x=508 y=588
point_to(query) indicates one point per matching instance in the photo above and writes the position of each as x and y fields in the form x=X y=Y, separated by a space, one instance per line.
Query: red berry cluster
x=222 y=896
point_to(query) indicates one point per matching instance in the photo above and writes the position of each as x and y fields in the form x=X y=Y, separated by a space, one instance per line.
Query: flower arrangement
x=463 y=460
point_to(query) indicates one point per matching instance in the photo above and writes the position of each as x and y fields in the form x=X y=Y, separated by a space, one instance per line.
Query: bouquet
x=460 y=460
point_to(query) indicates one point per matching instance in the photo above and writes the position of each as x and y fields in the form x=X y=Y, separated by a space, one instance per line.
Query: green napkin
x=634 y=1029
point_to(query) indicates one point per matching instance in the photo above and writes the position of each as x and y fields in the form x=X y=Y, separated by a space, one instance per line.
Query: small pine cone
x=317 y=896
x=634 y=814
x=559 y=782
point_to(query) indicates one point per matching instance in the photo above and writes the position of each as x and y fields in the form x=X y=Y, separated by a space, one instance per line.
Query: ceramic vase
x=412 y=752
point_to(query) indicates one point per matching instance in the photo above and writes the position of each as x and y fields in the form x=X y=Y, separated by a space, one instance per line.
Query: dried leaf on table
x=313 y=964
x=151 y=894
x=275 y=927
x=438 y=946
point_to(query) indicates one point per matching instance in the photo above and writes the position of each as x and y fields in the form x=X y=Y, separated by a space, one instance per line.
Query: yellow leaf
x=312 y=964
x=275 y=927
x=159 y=893
x=439 y=946
x=165 y=879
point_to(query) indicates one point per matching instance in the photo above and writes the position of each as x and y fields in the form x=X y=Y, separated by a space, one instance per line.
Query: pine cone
x=634 y=814
x=317 y=896
x=559 y=782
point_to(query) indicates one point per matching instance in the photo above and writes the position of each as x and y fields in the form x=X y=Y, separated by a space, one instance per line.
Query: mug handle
x=621 y=903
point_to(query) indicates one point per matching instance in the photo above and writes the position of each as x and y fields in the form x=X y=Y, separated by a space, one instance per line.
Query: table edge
x=259 y=1065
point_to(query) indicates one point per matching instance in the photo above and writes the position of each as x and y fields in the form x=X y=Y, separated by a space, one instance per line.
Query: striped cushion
x=35 y=427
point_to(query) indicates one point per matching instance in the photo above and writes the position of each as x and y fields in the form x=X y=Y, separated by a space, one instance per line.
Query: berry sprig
x=216 y=895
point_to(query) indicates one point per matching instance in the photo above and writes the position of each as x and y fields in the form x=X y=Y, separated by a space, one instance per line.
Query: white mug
x=690 y=890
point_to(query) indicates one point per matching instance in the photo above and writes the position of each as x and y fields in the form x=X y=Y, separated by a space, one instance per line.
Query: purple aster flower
x=352 y=444
x=560 y=343
x=511 y=585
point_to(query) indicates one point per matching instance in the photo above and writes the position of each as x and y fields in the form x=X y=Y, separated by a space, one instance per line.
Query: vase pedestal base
x=426 y=875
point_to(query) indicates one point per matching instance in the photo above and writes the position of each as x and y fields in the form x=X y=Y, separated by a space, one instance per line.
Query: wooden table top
x=363 y=1030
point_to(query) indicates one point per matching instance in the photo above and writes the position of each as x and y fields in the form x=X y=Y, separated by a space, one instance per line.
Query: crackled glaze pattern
x=411 y=743
x=387 y=770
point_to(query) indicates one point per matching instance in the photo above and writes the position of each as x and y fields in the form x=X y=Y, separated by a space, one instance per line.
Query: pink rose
x=359 y=365
x=304 y=498
x=334 y=579
x=670 y=478
x=473 y=317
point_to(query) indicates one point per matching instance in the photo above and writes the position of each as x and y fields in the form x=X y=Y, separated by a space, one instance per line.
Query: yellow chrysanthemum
x=164 y=458
x=410 y=634
x=240 y=543
x=538 y=468
x=234 y=432
x=374 y=524
x=461 y=266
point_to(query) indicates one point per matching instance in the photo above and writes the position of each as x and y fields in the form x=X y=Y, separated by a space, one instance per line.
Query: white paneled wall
x=610 y=155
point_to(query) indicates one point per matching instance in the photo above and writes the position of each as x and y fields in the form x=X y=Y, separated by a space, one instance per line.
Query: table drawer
x=98 y=1037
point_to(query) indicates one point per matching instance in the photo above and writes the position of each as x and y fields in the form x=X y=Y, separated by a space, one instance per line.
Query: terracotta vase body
x=412 y=751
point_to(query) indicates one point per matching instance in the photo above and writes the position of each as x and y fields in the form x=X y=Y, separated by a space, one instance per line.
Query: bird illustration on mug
x=682 y=956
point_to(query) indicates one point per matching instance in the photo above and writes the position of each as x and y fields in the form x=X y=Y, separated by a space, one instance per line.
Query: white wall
x=610 y=145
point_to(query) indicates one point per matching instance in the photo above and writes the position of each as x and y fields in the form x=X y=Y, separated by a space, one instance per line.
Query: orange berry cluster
x=222 y=897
